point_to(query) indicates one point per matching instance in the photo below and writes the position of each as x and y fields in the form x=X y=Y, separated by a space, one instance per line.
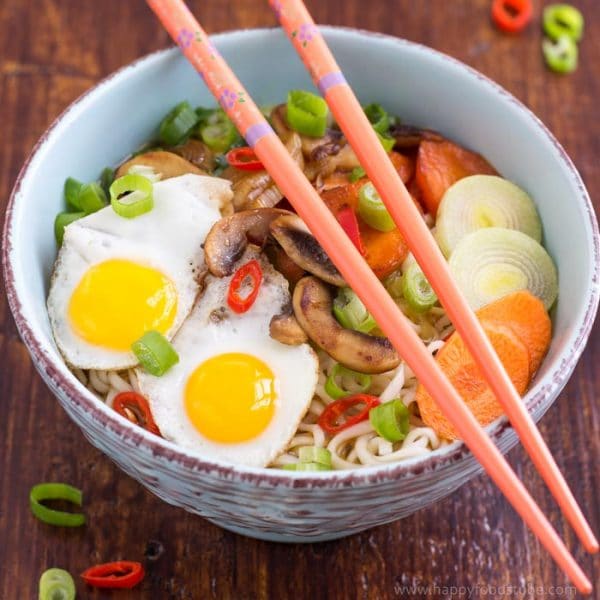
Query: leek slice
x=491 y=263
x=484 y=201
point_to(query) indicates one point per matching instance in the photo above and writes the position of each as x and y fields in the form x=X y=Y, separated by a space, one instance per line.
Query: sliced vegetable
x=390 y=420
x=356 y=174
x=493 y=262
x=178 y=123
x=526 y=316
x=57 y=584
x=106 y=178
x=561 y=56
x=562 y=19
x=372 y=209
x=310 y=466
x=351 y=313
x=251 y=271
x=91 y=198
x=155 y=353
x=405 y=165
x=512 y=16
x=347 y=219
x=387 y=141
x=464 y=374
x=164 y=164
x=315 y=454
x=218 y=132
x=122 y=574
x=72 y=189
x=134 y=406
x=440 y=164
x=482 y=201
x=393 y=284
x=56 y=491
x=131 y=196
x=244 y=159
x=61 y=221
x=307 y=113
x=416 y=289
x=378 y=117
x=145 y=171
x=357 y=382
x=345 y=412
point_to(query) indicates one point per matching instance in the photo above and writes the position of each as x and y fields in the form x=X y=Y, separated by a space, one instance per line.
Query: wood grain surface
x=471 y=544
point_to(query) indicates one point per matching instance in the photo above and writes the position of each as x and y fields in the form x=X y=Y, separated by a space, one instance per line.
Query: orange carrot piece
x=464 y=374
x=525 y=314
x=440 y=164
x=405 y=165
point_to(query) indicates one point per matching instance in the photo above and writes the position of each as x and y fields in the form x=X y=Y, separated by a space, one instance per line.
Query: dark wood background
x=53 y=50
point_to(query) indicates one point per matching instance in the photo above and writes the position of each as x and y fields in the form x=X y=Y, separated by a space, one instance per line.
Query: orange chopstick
x=326 y=74
x=186 y=31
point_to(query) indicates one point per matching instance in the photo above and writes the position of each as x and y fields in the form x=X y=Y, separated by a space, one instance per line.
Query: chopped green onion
x=378 y=117
x=61 y=221
x=390 y=420
x=131 y=196
x=315 y=454
x=155 y=353
x=416 y=289
x=56 y=584
x=387 y=142
x=56 y=491
x=563 y=19
x=106 y=178
x=307 y=113
x=351 y=313
x=357 y=173
x=372 y=210
x=204 y=114
x=72 y=189
x=92 y=198
x=561 y=56
x=310 y=466
x=361 y=382
x=393 y=284
x=218 y=132
x=178 y=123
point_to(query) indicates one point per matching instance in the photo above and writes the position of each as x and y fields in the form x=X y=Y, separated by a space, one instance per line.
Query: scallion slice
x=218 y=132
x=315 y=454
x=131 y=196
x=372 y=210
x=356 y=174
x=390 y=420
x=178 y=123
x=562 y=19
x=378 y=117
x=351 y=313
x=309 y=466
x=387 y=142
x=106 y=178
x=61 y=221
x=155 y=353
x=56 y=584
x=416 y=289
x=56 y=491
x=360 y=382
x=307 y=113
x=72 y=189
x=92 y=198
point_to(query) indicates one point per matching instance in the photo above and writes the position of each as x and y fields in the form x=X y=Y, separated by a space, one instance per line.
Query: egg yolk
x=117 y=301
x=231 y=397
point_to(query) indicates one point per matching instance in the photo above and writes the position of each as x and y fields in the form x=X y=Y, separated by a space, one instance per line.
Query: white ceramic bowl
x=424 y=87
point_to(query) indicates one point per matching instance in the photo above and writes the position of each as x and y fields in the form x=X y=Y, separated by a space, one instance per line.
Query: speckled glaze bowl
x=424 y=87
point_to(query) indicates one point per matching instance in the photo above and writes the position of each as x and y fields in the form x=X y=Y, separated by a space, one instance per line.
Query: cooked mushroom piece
x=302 y=247
x=229 y=237
x=407 y=136
x=313 y=304
x=283 y=263
x=285 y=329
x=198 y=153
x=164 y=163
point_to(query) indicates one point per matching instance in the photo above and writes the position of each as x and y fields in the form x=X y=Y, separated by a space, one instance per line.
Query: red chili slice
x=335 y=417
x=132 y=404
x=512 y=16
x=120 y=574
x=251 y=270
x=347 y=219
x=244 y=159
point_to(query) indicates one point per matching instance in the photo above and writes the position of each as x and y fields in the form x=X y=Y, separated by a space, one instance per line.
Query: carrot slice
x=440 y=164
x=464 y=374
x=525 y=314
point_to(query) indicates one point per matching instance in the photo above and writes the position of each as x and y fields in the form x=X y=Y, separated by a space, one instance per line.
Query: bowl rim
x=365 y=476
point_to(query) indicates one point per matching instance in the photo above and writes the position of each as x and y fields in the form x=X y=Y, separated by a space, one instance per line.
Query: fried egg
x=236 y=394
x=116 y=278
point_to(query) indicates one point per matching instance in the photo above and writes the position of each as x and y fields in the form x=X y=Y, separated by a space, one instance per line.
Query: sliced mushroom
x=407 y=136
x=302 y=247
x=284 y=264
x=198 y=153
x=285 y=329
x=229 y=237
x=313 y=305
x=164 y=163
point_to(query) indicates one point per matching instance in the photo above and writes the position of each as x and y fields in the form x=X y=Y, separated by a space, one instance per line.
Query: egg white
x=168 y=238
x=213 y=329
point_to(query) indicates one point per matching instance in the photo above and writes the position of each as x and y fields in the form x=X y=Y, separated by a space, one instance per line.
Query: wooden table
x=53 y=50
